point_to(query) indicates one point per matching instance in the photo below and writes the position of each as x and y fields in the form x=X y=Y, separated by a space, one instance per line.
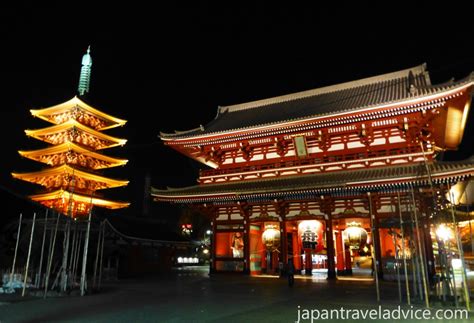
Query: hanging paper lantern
x=354 y=236
x=271 y=237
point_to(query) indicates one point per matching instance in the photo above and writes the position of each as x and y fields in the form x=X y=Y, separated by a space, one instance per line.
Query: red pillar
x=246 y=246
x=330 y=249
x=212 y=264
x=339 y=253
x=283 y=257
x=347 y=252
x=308 y=262
x=376 y=245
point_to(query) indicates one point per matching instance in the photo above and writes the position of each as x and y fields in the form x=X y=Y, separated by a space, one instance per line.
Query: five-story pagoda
x=76 y=137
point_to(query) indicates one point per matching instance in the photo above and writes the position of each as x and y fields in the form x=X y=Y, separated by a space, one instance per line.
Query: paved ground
x=193 y=296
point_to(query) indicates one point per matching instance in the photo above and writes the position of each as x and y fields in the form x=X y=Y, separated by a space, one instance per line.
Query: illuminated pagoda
x=71 y=180
x=299 y=175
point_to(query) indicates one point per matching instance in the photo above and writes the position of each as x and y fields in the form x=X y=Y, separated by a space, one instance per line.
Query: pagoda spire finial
x=85 y=77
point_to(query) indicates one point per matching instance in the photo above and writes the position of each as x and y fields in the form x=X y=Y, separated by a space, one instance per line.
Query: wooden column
x=246 y=245
x=426 y=236
x=347 y=251
x=373 y=205
x=330 y=248
x=376 y=245
x=212 y=263
x=245 y=212
x=281 y=207
x=340 y=253
x=326 y=206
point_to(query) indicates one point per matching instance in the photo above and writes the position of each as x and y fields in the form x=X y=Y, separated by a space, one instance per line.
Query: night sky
x=164 y=67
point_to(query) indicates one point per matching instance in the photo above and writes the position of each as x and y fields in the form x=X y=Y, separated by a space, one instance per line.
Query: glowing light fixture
x=444 y=233
x=271 y=237
x=354 y=236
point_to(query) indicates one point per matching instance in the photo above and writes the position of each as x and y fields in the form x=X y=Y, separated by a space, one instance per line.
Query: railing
x=309 y=161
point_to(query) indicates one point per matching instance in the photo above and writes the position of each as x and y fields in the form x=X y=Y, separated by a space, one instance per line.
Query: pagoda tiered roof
x=346 y=101
x=60 y=200
x=73 y=131
x=80 y=111
x=65 y=176
x=73 y=154
x=341 y=182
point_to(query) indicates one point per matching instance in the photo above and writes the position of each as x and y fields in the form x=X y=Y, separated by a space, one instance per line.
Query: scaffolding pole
x=84 y=253
x=73 y=247
x=64 y=267
x=97 y=256
x=51 y=256
x=29 y=254
x=407 y=284
x=461 y=255
x=397 y=257
x=101 y=255
x=38 y=283
x=78 y=252
x=414 y=262
x=422 y=267
x=376 y=273
x=16 y=248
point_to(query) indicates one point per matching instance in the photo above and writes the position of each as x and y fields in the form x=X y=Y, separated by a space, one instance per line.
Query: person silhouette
x=291 y=272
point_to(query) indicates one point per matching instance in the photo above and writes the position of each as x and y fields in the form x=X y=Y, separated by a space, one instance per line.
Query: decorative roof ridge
x=181 y=132
x=79 y=101
x=69 y=145
x=72 y=169
x=446 y=86
x=451 y=82
x=417 y=70
x=73 y=123
x=77 y=195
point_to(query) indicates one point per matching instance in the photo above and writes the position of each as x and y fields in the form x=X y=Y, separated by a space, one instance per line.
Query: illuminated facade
x=299 y=176
x=71 y=180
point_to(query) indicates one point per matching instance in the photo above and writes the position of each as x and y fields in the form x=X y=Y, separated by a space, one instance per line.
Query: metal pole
x=97 y=255
x=42 y=249
x=73 y=255
x=422 y=265
x=84 y=252
x=470 y=220
x=461 y=255
x=73 y=246
x=101 y=255
x=407 y=284
x=414 y=262
x=470 y=230
x=16 y=249
x=63 y=284
x=397 y=258
x=78 y=251
x=29 y=254
x=397 y=262
x=444 y=268
x=50 y=260
x=372 y=216
x=397 y=267
x=455 y=292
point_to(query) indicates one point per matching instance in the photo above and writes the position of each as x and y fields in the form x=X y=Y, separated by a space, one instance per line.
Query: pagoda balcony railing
x=386 y=156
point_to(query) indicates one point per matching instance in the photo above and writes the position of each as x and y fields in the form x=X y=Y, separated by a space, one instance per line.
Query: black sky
x=168 y=66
